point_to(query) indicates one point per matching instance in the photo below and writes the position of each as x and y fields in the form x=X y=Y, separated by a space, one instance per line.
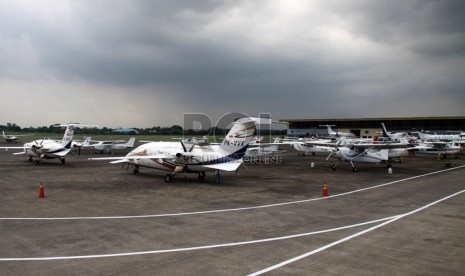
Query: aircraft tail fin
x=237 y=140
x=130 y=142
x=385 y=133
x=86 y=142
x=68 y=136
x=330 y=131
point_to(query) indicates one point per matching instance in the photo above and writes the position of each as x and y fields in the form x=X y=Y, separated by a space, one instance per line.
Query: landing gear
x=30 y=159
x=135 y=170
x=218 y=177
x=354 y=168
x=36 y=161
x=168 y=178
x=201 y=176
x=333 y=167
x=62 y=160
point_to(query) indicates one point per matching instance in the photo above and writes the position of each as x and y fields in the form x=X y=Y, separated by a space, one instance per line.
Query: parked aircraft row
x=199 y=156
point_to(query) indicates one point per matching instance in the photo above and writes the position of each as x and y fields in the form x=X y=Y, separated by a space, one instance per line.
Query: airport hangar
x=371 y=127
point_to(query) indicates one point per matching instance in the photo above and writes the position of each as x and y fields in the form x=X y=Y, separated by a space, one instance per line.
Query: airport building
x=371 y=127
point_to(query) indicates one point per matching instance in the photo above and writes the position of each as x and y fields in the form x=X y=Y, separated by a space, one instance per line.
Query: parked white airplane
x=80 y=144
x=304 y=147
x=338 y=134
x=395 y=136
x=438 y=148
x=13 y=138
x=362 y=152
x=48 y=149
x=261 y=149
x=441 y=137
x=176 y=157
x=108 y=146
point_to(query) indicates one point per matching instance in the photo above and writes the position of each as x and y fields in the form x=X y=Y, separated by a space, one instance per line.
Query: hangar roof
x=394 y=123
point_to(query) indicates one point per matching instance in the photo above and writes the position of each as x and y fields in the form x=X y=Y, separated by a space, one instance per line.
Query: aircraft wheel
x=135 y=171
x=201 y=176
x=355 y=169
x=62 y=161
x=168 y=178
x=333 y=167
x=36 y=162
x=30 y=159
x=388 y=165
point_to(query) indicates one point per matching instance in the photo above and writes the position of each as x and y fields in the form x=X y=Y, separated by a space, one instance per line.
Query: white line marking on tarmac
x=393 y=219
x=386 y=220
x=197 y=247
x=238 y=209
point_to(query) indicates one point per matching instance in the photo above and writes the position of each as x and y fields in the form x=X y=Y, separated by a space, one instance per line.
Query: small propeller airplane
x=49 y=149
x=108 y=146
x=182 y=157
x=13 y=138
x=79 y=145
x=258 y=148
x=305 y=146
x=438 y=137
x=361 y=152
x=437 y=148
x=337 y=134
x=395 y=136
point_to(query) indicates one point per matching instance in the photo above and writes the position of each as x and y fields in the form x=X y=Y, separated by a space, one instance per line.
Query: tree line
x=158 y=130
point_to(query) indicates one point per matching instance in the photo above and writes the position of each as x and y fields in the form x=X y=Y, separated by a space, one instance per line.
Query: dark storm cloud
x=293 y=58
x=428 y=27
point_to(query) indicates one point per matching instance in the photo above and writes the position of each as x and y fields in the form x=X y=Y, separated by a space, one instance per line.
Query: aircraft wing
x=230 y=166
x=123 y=159
x=317 y=143
x=380 y=146
x=7 y=148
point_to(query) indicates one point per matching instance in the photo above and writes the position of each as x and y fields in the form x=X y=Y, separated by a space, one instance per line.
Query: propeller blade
x=183 y=146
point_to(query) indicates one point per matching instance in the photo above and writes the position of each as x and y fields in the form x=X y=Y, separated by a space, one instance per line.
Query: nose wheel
x=201 y=176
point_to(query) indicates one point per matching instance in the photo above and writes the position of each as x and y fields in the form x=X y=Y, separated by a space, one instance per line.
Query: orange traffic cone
x=325 y=190
x=41 y=191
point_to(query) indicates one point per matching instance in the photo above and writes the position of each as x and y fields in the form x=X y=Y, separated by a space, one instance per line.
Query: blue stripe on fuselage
x=229 y=158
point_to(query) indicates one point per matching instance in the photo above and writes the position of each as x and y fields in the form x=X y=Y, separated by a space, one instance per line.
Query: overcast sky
x=145 y=63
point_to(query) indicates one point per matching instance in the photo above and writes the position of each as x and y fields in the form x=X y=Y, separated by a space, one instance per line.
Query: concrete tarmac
x=99 y=219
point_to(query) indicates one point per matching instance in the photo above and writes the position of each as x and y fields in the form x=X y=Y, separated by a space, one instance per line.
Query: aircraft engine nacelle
x=185 y=154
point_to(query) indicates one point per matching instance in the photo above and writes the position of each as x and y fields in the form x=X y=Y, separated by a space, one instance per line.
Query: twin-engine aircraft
x=181 y=157
x=48 y=149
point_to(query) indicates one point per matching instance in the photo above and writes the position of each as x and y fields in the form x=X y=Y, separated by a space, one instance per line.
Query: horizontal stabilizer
x=230 y=166
x=62 y=153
